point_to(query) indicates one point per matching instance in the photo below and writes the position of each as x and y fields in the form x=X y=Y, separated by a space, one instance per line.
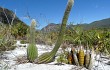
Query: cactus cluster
x=32 y=52
x=81 y=58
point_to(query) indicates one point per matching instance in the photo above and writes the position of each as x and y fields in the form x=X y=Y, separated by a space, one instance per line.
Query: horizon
x=49 y=11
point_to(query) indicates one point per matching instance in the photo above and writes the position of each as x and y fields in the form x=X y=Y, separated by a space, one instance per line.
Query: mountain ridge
x=103 y=23
x=6 y=17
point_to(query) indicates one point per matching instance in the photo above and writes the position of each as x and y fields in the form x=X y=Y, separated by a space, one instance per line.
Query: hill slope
x=51 y=27
x=6 y=17
x=104 y=23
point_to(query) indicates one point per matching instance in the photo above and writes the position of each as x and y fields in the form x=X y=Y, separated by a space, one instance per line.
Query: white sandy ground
x=9 y=64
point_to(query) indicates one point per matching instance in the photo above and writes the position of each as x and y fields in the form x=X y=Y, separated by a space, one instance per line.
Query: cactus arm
x=63 y=26
x=48 y=57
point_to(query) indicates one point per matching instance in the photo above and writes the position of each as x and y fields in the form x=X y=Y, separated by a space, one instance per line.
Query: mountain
x=6 y=17
x=104 y=23
x=51 y=27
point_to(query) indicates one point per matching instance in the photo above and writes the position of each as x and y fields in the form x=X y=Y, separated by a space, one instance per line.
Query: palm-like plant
x=49 y=56
x=79 y=35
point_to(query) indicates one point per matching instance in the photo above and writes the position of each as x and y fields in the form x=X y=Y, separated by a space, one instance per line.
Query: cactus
x=75 y=57
x=87 y=59
x=81 y=56
x=91 y=59
x=70 y=59
x=49 y=56
x=32 y=52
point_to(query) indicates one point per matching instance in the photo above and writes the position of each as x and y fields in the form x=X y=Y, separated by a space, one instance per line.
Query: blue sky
x=51 y=11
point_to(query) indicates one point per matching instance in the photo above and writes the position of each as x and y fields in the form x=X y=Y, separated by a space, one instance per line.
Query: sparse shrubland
x=6 y=39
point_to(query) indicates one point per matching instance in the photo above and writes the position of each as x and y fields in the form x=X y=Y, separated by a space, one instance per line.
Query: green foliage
x=97 y=38
x=6 y=39
x=23 y=41
x=46 y=38
x=19 y=30
x=9 y=19
x=6 y=46
x=62 y=59
x=32 y=52
x=104 y=41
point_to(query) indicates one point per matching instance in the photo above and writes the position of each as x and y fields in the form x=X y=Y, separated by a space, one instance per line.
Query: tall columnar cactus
x=48 y=57
x=32 y=52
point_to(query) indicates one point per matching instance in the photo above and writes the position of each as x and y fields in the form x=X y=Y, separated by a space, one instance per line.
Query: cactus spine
x=32 y=52
x=48 y=57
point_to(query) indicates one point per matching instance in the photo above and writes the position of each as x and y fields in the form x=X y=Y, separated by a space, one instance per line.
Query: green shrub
x=6 y=46
x=62 y=59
